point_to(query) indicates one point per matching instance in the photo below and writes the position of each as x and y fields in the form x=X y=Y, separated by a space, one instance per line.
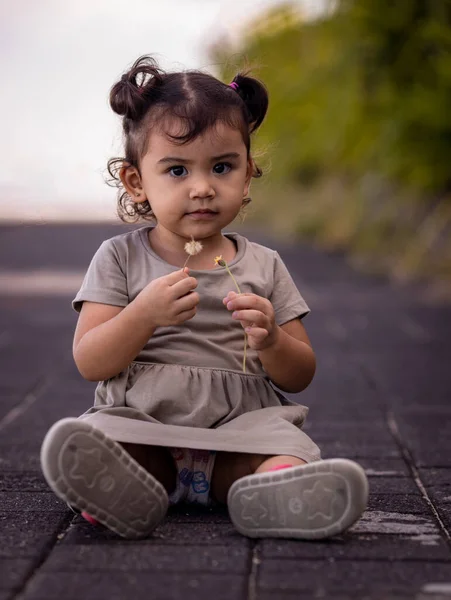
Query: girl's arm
x=108 y=338
x=284 y=351
x=290 y=361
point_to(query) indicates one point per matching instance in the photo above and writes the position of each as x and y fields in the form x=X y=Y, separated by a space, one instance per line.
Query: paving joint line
x=56 y=537
x=252 y=582
x=29 y=399
x=405 y=452
x=408 y=458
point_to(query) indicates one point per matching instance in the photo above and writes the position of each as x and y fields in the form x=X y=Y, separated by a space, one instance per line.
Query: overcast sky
x=58 y=61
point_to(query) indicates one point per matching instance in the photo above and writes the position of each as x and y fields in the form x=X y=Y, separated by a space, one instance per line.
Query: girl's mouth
x=200 y=215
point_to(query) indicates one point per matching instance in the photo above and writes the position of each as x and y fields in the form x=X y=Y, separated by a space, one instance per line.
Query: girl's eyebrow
x=177 y=159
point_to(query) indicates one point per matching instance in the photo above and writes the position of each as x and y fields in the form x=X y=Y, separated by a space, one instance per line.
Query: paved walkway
x=381 y=396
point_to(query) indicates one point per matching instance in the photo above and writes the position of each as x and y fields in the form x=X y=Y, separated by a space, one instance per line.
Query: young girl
x=179 y=416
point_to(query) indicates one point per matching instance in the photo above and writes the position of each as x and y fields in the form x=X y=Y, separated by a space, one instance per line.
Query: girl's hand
x=168 y=300
x=256 y=315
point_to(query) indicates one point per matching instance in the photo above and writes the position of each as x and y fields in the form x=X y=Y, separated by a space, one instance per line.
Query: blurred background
x=356 y=153
x=356 y=147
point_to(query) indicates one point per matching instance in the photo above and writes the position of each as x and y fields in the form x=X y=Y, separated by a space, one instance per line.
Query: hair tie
x=234 y=85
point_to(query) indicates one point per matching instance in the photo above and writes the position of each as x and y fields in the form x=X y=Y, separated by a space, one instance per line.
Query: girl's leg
x=156 y=460
x=274 y=462
x=282 y=496
x=230 y=466
x=99 y=477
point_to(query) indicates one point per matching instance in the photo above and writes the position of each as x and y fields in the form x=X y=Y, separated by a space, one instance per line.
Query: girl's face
x=195 y=189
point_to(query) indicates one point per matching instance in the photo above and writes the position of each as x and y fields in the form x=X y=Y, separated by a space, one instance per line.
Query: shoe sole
x=93 y=473
x=310 y=501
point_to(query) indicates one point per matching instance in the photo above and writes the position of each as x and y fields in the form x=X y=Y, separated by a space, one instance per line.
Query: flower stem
x=234 y=280
x=245 y=334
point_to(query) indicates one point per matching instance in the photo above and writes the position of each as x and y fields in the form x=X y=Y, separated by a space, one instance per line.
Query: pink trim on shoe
x=89 y=518
x=277 y=467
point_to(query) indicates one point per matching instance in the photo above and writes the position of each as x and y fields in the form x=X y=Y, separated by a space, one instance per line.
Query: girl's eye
x=222 y=168
x=177 y=171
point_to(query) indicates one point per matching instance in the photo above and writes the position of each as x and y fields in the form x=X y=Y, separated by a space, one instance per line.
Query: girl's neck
x=171 y=248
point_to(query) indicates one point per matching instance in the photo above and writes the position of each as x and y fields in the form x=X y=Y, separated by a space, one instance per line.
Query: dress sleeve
x=285 y=297
x=105 y=280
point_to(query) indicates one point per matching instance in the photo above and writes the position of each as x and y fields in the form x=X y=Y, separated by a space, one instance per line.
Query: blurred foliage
x=366 y=87
x=365 y=90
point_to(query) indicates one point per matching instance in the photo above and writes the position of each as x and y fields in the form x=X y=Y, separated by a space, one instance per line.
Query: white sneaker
x=96 y=475
x=310 y=501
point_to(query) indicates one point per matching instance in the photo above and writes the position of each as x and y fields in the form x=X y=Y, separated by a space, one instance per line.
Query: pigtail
x=255 y=96
x=130 y=96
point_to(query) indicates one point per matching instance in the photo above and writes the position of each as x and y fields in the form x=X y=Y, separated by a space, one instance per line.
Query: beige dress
x=186 y=388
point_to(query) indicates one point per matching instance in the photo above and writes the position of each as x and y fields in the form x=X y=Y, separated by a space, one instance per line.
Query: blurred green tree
x=364 y=88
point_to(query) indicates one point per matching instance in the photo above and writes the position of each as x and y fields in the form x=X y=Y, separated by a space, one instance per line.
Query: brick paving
x=381 y=396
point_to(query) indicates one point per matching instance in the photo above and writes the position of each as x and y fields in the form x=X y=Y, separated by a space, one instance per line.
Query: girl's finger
x=180 y=288
x=249 y=301
x=247 y=325
x=256 y=334
x=230 y=296
x=252 y=316
x=187 y=302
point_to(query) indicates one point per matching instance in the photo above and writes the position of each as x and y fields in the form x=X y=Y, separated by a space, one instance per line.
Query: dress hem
x=156 y=434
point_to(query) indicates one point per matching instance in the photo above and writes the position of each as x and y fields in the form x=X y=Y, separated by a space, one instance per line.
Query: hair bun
x=255 y=96
x=128 y=98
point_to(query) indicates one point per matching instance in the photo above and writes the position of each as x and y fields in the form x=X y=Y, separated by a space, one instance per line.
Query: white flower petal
x=193 y=247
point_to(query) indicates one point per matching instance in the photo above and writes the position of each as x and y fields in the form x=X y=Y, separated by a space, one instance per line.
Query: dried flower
x=192 y=248
x=222 y=263
x=219 y=261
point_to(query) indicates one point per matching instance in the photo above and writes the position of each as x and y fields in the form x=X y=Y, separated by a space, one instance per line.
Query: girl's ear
x=131 y=181
x=249 y=171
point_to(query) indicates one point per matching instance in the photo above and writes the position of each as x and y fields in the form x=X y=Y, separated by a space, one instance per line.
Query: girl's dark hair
x=146 y=96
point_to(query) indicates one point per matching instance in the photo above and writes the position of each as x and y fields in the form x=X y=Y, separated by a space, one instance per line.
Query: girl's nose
x=202 y=188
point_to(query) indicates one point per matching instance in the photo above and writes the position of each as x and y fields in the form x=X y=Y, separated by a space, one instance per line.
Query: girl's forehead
x=217 y=139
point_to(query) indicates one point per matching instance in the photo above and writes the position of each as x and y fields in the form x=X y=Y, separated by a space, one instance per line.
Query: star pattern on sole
x=253 y=509
x=88 y=466
x=319 y=501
